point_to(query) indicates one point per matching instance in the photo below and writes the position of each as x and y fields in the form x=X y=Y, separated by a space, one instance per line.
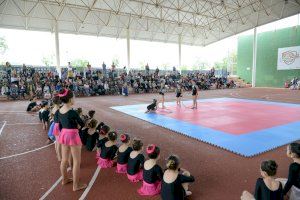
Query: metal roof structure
x=193 y=22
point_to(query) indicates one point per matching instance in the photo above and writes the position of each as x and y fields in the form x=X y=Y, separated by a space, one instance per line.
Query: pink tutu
x=136 y=178
x=69 y=137
x=121 y=168
x=148 y=189
x=97 y=155
x=105 y=163
x=56 y=130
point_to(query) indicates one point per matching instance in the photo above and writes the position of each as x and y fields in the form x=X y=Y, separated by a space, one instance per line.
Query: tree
x=116 y=61
x=79 y=64
x=3 y=45
x=48 y=60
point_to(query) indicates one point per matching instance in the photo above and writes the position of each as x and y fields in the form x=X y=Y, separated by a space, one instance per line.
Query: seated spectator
x=152 y=174
x=123 y=154
x=267 y=188
x=136 y=162
x=175 y=181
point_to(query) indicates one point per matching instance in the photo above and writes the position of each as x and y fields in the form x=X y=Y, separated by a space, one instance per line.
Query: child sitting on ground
x=123 y=154
x=152 y=107
x=136 y=162
x=102 y=138
x=266 y=187
x=108 y=151
x=175 y=181
x=152 y=174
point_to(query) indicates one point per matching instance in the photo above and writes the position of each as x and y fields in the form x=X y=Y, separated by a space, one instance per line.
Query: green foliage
x=79 y=64
x=183 y=68
x=48 y=60
x=3 y=45
x=116 y=61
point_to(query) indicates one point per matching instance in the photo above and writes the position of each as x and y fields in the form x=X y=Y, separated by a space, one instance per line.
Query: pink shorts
x=136 y=178
x=69 y=137
x=105 y=163
x=121 y=168
x=148 y=189
x=56 y=130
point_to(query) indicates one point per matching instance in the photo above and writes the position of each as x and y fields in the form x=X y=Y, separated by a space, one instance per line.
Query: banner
x=288 y=58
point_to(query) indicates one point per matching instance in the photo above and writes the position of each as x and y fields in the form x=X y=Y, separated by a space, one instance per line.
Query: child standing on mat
x=178 y=95
x=162 y=94
x=194 y=94
x=123 y=154
x=152 y=174
x=152 y=107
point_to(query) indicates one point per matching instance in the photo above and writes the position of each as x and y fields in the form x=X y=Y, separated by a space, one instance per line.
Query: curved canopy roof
x=196 y=22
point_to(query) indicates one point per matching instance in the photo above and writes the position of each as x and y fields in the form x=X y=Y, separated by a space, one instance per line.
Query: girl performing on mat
x=175 y=181
x=123 y=154
x=194 y=94
x=162 y=94
x=108 y=151
x=136 y=162
x=178 y=95
x=152 y=107
x=152 y=174
x=69 y=139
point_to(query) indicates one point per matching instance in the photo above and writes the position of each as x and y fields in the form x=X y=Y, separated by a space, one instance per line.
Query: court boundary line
x=33 y=123
x=2 y=127
x=52 y=187
x=26 y=152
x=91 y=183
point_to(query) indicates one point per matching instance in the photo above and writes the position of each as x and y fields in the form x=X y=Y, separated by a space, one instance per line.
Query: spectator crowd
x=28 y=81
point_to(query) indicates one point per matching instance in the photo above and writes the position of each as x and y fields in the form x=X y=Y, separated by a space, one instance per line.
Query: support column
x=254 y=58
x=128 y=50
x=57 y=55
x=179 y=50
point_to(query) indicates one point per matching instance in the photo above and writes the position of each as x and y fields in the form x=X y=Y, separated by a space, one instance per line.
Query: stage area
x=242 y=126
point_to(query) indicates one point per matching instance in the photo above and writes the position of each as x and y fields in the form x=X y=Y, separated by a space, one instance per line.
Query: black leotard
x=108 y=152
x=101 y=142
x=293 y=179
x=134 y=164
x=194 y=90
x=152 y=175
x=45 y=115
x=31 y=105
x=152 y=106
x=55 y=117
x=262 y=192
x=124 y=156
x=70 y=120
x=174 y=190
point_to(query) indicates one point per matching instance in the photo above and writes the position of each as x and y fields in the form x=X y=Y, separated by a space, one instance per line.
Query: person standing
x=69 y=139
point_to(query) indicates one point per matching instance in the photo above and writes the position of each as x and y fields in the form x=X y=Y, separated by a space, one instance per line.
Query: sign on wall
x=288 y=58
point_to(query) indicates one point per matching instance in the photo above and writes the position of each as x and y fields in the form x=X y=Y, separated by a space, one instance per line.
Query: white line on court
x=52 y=187
x=86 y=191
x=19 y=154
x=35 y=123
x=2 y=127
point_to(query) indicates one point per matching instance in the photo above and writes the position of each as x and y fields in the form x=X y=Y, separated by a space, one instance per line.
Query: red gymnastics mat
x=246 y=127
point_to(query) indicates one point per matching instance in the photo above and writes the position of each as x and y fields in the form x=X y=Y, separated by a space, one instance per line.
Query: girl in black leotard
x=136 y=162
x=178 y=95
x=152 y=107
x=194 y=94
x=103 y=137
x=292 y=183
x=56 y=131
x=162 y=94
x=69 y=138
x=108 y=151
x=89 y=135
x=123 y=154
x=267 y=188
x=152 y=174
x=175 y=181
